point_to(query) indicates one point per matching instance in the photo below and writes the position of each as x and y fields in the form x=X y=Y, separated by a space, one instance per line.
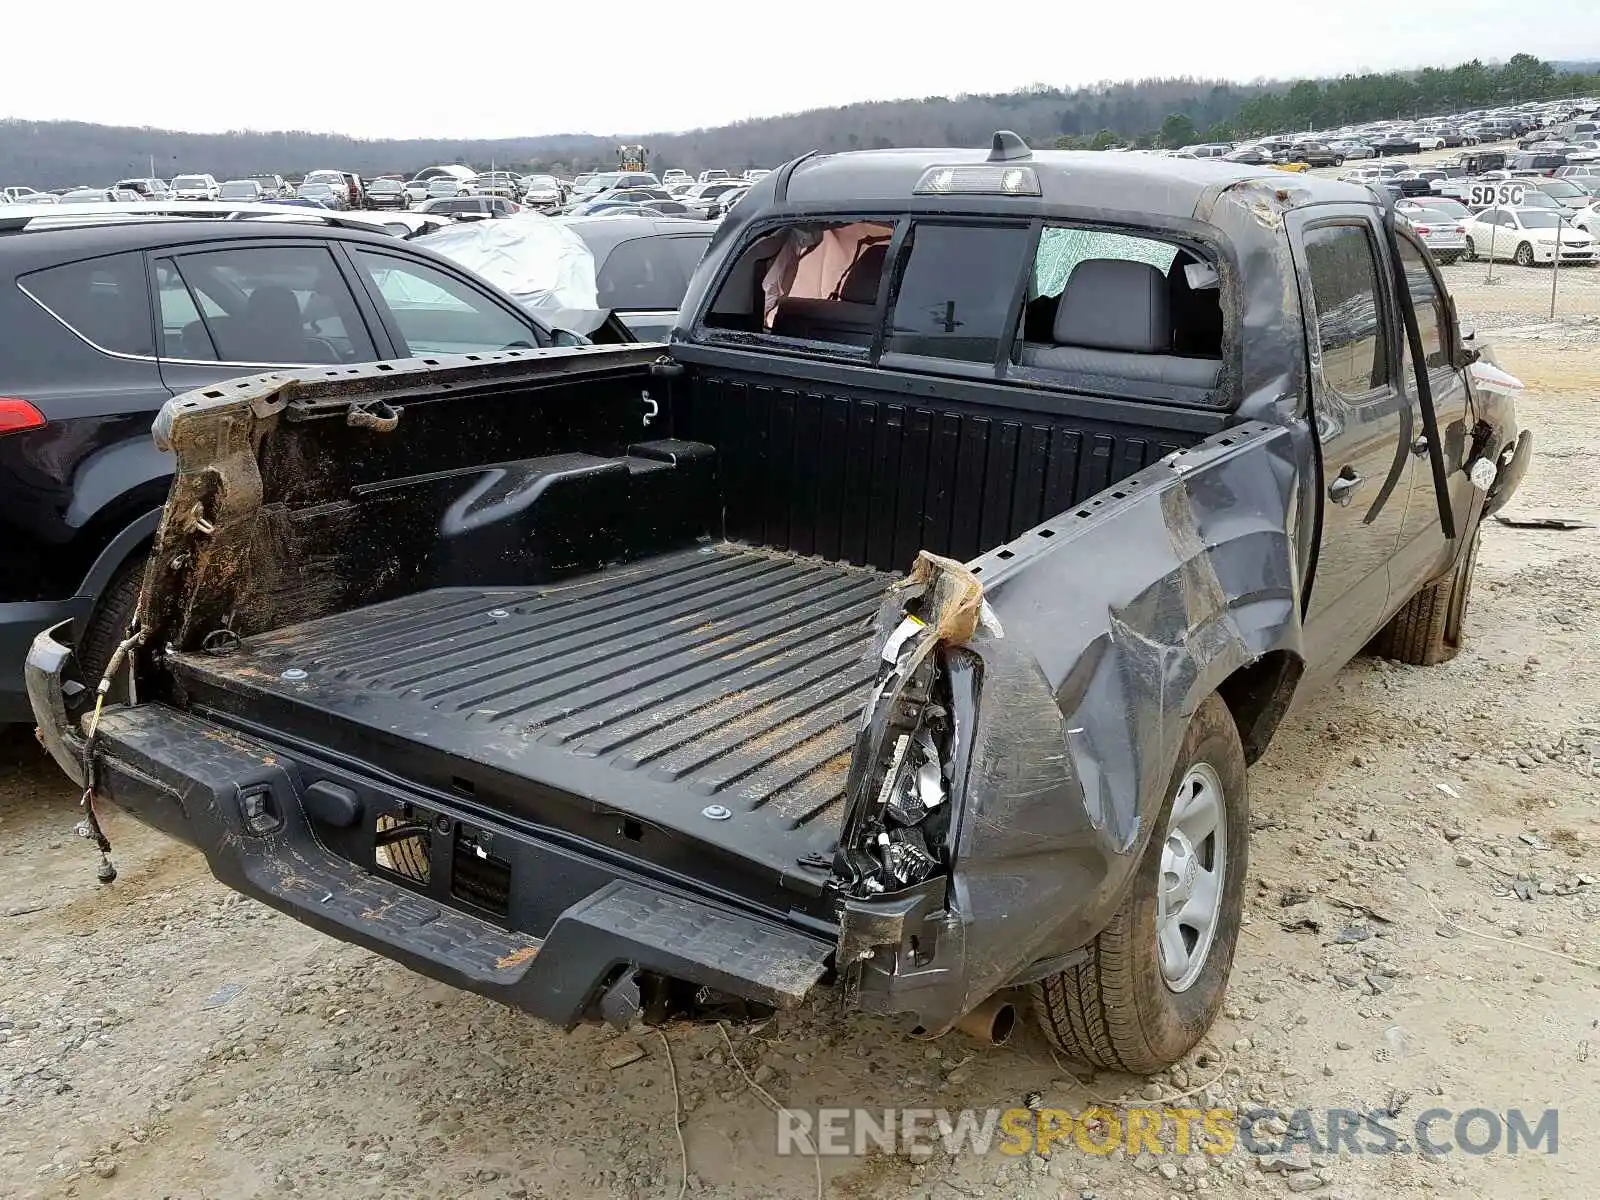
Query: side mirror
x=565 y=337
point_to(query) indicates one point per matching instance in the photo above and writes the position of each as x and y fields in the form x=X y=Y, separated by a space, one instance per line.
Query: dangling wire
x=89 y=826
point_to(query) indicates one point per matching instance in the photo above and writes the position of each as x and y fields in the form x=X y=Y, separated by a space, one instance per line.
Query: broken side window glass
x=814 y=281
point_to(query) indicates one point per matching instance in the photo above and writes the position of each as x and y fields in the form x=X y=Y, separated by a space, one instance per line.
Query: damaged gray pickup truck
x=905 y=626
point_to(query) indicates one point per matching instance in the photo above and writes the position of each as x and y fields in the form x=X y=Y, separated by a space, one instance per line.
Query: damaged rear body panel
x=1068 y=687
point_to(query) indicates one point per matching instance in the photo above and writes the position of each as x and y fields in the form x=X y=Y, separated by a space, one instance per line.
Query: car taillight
x=1460 y=228
x=1424 y=230
x=17 y=415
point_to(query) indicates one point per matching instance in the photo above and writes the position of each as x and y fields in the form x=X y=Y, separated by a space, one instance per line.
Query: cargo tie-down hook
x=651 y=408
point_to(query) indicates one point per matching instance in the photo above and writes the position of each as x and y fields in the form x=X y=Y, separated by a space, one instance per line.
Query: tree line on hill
x=1146 y=112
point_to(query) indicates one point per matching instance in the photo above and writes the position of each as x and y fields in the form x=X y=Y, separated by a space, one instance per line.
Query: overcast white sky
x=415 y=68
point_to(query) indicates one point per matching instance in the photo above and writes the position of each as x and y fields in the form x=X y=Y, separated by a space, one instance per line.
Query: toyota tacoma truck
x=905 y=626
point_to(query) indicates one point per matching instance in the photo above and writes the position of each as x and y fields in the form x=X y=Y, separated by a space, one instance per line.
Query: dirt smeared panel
x=289 y=503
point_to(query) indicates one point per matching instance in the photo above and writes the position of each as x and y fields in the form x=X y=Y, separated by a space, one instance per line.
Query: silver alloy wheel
x=1194 y=863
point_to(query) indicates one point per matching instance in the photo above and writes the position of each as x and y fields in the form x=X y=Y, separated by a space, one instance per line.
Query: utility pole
x=1555 y=264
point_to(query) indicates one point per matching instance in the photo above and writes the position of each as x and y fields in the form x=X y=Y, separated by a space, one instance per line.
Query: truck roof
x=1144 y=183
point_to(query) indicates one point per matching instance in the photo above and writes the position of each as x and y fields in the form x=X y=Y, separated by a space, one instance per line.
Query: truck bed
x=718 y=675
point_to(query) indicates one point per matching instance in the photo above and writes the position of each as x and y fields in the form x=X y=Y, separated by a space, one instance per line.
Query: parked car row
x=1562 y=126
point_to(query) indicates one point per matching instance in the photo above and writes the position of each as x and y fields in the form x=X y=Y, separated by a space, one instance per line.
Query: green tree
x=1303 y=105
x=1103 y=140
x=1177 y=130
x=1220 y=131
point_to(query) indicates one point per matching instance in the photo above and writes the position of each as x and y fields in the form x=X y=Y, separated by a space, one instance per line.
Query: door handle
x=1343 y=489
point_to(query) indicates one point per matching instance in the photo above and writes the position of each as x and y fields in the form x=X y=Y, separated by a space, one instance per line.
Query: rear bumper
x=19 y=624
x=591 y=927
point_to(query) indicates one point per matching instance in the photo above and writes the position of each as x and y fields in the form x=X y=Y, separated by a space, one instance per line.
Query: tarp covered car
x=542 y=264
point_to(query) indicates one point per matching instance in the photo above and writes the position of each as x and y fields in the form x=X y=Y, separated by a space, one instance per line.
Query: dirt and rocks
x=1424 y=894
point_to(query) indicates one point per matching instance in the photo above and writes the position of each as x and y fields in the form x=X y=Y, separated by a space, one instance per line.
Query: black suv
x=103 y=323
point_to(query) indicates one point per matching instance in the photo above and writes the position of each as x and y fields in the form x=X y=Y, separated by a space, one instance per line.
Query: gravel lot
x=161 y=1037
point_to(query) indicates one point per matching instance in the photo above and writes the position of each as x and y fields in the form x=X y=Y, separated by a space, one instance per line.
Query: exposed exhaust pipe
x=993 y=1021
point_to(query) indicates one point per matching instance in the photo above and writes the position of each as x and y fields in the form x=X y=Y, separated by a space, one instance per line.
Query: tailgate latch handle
x=651 y=409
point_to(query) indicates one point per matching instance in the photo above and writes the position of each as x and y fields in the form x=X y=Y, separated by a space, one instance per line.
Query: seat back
x=1115 y=319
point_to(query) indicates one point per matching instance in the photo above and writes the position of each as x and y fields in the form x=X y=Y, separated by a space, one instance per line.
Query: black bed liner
x=718 y=675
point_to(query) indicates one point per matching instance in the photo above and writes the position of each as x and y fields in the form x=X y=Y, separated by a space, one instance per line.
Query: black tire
x=1115 y=1010
x=1427 y=631
x=1524 y=254
x=107 y=625
x=1339 y=162
x=1471 y=254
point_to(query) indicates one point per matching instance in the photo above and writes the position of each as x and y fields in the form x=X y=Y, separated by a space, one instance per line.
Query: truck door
x=1364 y=430
x=1424 y=551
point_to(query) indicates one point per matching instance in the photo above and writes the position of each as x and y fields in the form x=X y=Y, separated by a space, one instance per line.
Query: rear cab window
x=1035 y=303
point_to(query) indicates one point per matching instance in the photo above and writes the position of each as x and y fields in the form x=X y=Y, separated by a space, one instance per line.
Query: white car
x=1588 y=219
x=1526 y=236
x=1440 y=225
x=541 y=192
x=335 y=180
x=194 y=187
x=1429 y=141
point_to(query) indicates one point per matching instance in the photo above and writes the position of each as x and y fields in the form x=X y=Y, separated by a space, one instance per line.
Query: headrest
x=860 y=284
x=1115 y=304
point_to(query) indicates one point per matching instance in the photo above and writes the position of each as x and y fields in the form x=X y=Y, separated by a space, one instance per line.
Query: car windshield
x=383 y=185
x=324 y=177
x=1538 y=220
x=1534 y=198
x=188 y=181
x=314 y=187
x=1454 y=212
x=238 y=191
x=600 y=183
x=540 y=181
x=1560 y=187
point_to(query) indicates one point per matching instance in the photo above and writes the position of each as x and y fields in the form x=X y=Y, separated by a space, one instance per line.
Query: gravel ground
x=162 y=1037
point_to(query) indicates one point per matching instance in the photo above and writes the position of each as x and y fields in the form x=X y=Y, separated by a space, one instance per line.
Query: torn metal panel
x=1109 y=626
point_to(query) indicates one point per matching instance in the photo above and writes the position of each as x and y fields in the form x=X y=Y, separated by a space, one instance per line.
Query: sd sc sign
x=1487 y=195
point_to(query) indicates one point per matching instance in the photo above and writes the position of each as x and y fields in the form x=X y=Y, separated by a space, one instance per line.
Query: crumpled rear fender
x=1115 y=620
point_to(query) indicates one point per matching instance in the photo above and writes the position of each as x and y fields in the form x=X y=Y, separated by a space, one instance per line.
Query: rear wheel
x=108 y=624
x=1472 y=251
x=1427 y=631
x=1156 y=975
x=1524 y=255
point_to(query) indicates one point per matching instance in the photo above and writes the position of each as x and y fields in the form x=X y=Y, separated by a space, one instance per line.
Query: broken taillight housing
x=17 y=415
x=896 y=837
